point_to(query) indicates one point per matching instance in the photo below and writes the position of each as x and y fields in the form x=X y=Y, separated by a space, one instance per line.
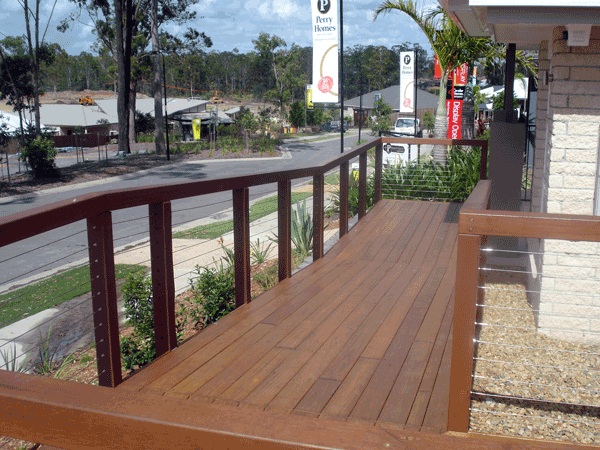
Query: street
x=57 y=248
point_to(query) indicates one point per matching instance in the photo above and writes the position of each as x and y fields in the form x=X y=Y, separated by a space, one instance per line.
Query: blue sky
x=235 y=23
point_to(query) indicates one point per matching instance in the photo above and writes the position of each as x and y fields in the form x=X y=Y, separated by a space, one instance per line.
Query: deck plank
x=363 y=334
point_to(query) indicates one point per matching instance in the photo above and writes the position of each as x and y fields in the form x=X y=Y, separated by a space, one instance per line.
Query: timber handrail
x=476 y=223
x=96 y=209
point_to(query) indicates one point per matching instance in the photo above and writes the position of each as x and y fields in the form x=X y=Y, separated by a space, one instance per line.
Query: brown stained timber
x=241 y=245
x=362 y=186
x=97 y=417
x=378 y=172
x=284 y=232
x=344 y=210
x=104 y=299
x=163 y=283
x=318 y=205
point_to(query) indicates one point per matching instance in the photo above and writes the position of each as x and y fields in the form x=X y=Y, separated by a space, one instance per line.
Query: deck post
x=378 y=171
x=463 y=347
x=163 y=283
x=362 y=185
x=284 y=236
x=241 y=245
x=343 y=199
x=484 y=159
x=318 y=203
x=104 y=299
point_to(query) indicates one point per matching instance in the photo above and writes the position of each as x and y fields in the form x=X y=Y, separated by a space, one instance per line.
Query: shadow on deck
x=362 y=335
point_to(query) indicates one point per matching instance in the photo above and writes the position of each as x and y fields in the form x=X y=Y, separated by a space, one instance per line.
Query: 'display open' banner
x=325 y=51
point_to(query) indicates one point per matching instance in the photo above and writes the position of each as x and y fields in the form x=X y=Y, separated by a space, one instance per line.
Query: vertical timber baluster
x=343 y=199
x=104 y=299
x=241 y=245
x=378 y=171
x=463 y=347
x=484 y=158
x=318 y=204
x=362 y=185
x=163 y=283
x=284 y=235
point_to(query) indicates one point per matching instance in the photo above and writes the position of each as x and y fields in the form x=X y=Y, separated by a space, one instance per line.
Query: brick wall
x=565 y=181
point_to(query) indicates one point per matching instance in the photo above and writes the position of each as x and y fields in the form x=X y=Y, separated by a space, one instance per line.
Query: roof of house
x=74 y=115
x=85 y=116
x=146 y=105
x=391 y=96
x=522 y=22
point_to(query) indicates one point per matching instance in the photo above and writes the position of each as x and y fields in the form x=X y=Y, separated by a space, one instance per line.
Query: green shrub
x=353 y=196
x=214 y=294
x=138 y=349
x=39 y=154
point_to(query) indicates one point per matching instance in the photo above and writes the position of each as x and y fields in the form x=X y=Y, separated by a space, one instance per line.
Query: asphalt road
x=56 y=248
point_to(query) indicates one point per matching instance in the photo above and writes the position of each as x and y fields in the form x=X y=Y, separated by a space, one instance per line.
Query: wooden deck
x=363 y=334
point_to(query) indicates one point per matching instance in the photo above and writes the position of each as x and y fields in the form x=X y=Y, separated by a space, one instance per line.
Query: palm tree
x=452 y=47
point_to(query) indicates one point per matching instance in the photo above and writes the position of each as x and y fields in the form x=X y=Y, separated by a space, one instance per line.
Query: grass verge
x=24 y=302
x=259 y=209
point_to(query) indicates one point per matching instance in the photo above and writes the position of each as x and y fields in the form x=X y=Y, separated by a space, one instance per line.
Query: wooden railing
x=97 y=210
x=476 y=223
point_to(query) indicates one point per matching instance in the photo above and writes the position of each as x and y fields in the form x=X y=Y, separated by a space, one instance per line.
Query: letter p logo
x=323 y=6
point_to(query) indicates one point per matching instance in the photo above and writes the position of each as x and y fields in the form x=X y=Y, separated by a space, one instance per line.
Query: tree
x=452 y=47
x=382 y=115
x=297 y=114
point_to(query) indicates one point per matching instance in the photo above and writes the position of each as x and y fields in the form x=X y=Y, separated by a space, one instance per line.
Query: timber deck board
x=364 y=334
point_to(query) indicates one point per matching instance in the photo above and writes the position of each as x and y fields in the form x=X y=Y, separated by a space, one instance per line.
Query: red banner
x=437 y=71
x=460 y=75
x=454 y=108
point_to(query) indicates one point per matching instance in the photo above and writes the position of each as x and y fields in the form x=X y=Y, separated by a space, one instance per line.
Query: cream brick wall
x=568 y=302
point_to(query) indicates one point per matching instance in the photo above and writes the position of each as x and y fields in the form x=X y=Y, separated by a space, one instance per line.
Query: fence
x=152 y=212
x=517 y=361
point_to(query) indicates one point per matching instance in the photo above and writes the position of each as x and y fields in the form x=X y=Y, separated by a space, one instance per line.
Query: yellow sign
x=196 y=125
x=309 y=102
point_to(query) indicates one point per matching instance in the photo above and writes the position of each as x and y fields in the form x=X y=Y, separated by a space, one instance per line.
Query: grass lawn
x=53 y=291
x=332 y=178
x=259 y=209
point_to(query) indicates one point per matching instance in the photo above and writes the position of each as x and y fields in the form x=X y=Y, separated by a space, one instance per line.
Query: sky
x=235 y=23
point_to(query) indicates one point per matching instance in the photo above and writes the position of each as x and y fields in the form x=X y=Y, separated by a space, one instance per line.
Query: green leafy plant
x=268 y=278
x=39 y=154
x=46 y=354
x=138 y=349
x=353 y=196
x=10 y=360
x=214 y=294
x=302 y=229
x=259 y=252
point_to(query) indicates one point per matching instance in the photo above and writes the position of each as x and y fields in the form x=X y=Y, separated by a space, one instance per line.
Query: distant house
x=391 y=95
x=66 y=118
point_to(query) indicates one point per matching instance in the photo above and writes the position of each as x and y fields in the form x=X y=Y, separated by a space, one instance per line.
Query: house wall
x=565 y=182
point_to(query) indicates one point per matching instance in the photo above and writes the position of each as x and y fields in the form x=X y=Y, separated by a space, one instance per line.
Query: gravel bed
x=529 y=365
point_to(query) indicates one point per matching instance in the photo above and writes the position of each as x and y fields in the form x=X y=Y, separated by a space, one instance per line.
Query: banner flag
x=407 y=82
x=309 y=100
x=325 y=51
x=197 y=127
x=454 y=100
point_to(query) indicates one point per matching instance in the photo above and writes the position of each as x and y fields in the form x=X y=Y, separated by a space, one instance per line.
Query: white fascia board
x=534 y=3
x=541 y=16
